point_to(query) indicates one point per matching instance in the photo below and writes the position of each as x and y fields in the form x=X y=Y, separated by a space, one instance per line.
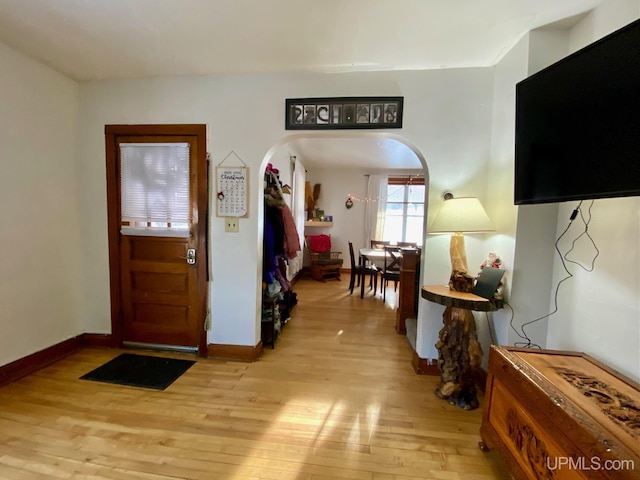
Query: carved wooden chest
x=561 y=415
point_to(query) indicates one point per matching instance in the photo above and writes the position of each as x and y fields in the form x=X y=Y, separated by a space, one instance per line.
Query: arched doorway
x=344 y=158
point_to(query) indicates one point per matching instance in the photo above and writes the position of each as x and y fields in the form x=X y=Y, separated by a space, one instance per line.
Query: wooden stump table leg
x=459 y=357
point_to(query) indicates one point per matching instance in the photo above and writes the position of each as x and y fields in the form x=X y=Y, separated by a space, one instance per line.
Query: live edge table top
x=443 y=295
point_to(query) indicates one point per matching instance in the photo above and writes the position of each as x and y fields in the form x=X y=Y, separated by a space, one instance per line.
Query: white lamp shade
x=461 y=215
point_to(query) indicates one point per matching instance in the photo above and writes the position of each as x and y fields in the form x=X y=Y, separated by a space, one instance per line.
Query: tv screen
x=578 y=124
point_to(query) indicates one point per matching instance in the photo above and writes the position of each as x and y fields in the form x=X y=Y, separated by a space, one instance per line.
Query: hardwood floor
x=336 y=399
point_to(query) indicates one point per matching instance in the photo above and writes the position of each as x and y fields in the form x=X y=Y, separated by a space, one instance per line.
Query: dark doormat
x=140 y=371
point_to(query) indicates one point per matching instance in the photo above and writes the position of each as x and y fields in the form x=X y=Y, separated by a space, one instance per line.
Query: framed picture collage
x=343 y=113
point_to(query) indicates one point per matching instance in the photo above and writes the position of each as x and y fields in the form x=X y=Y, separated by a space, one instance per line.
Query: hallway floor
x=336 y=399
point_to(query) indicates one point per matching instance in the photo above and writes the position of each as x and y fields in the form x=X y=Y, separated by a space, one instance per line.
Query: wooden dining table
x=375 y=256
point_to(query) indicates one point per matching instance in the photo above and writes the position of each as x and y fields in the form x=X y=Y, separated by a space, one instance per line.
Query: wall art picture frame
x=332 y=113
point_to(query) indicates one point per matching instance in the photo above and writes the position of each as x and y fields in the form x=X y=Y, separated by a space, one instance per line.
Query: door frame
x=112 y=132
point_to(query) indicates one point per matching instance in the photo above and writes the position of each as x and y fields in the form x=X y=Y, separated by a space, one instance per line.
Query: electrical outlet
x=232 y=224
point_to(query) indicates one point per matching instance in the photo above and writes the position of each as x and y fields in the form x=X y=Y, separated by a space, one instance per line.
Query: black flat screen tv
x=578 y=124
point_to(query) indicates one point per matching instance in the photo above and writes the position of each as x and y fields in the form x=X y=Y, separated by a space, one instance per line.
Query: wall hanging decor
x=348 y=203
x=232 y=188
x=343 y=113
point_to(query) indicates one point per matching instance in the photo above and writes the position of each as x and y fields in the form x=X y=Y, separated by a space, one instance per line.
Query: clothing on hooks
x=291 y=237
x=274 y=197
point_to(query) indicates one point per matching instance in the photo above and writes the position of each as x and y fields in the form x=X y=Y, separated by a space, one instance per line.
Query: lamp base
x=461 y=281
x=458 y=253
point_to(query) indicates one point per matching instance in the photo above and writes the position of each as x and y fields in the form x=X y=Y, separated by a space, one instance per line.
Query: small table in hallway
x=459 y=352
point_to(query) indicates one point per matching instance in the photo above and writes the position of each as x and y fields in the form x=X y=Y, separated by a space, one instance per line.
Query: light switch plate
x=232 y=224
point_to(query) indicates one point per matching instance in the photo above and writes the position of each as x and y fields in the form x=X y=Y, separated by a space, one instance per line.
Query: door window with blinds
x=154 y=184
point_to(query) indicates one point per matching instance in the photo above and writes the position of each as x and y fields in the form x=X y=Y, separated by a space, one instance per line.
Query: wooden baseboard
x=100 y=340
x=243 y=353
x=425 y=366
x=34 y=362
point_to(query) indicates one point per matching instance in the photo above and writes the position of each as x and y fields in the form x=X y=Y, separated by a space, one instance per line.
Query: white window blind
x=154 y=180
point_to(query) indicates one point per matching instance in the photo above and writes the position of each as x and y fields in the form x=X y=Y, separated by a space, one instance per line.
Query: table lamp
x=458 y=216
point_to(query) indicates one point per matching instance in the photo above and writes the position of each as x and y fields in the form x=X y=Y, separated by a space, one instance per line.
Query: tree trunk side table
x=459 y=352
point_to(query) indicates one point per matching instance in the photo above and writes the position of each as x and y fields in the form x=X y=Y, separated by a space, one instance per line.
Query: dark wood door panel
x=160 y=282
x=160 y=298
x=157 y=300
x=158 y=249
x=163 y=316
x=157 y=296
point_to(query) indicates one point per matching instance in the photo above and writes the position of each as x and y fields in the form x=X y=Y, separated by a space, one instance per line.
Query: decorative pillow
x=319 y=243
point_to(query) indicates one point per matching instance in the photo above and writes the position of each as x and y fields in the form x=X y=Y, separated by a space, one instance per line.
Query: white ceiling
x=100 y=39
x=370 y=152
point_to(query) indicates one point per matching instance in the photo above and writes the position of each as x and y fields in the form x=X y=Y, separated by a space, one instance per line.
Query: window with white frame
x=404 y=215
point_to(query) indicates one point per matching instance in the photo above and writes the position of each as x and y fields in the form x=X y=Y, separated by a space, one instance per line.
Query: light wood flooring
x=336 y=399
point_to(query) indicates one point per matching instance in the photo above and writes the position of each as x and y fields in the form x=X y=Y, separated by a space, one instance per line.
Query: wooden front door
x=157 y=209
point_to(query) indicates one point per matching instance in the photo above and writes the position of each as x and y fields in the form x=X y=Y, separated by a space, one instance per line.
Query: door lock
x=191 y=256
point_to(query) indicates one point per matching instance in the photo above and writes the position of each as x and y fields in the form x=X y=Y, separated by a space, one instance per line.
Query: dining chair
x=360 y=272
x=391 y=269
x=407 y=244
x=379 y=244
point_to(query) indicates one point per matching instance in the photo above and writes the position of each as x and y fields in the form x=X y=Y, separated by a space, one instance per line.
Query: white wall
x=529 y=273
x=450 y=116
x=468 y=178
x=499 y=194
x=528 y=263
x=599 y=312
x=348 y=224
x=41 y=234
x=446 y=116
x=336 y=186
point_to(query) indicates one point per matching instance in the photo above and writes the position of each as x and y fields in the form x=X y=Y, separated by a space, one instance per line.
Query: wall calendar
x=232 y=188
